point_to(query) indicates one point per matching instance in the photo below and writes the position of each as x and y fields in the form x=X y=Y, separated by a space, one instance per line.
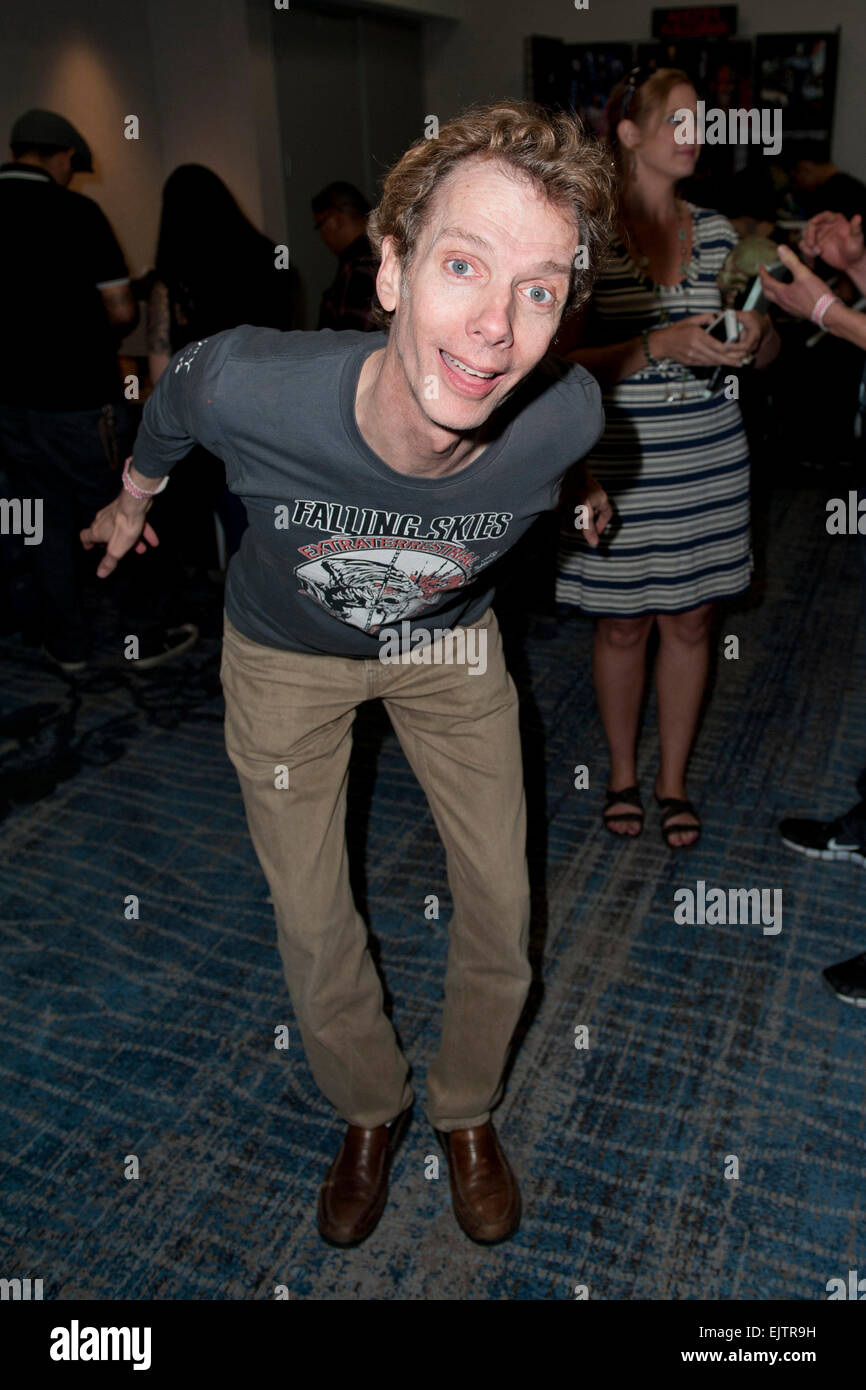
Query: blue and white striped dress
x=676 y=472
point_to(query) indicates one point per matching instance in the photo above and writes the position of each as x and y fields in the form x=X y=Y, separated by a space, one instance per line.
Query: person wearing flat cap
x=65 y=426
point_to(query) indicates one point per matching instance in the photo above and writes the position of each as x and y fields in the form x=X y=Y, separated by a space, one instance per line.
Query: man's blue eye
x=462 y=265
x=539 y=289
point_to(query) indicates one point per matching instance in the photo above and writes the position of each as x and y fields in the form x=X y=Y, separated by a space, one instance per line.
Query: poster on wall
x=593 y=72
x=575 y=77
x=695 y=22
x=796 y=73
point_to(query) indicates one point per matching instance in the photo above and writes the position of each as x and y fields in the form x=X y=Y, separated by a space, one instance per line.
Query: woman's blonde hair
x=551 y=149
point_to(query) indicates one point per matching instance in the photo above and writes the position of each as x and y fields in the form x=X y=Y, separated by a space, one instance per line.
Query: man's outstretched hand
x=119 y=527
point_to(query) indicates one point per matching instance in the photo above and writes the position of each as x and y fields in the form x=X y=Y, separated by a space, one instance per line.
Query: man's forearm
x=857 y=273
x=141 y=480
x=846 y=323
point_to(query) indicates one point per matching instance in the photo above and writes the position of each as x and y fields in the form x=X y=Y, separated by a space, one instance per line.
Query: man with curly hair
x=382 y=474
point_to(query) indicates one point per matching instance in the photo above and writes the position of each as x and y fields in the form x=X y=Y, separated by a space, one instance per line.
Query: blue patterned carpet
x=154 y=1037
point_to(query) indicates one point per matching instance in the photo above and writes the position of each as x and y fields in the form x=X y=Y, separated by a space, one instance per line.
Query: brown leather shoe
x=355 y=1190
x=484 y=1190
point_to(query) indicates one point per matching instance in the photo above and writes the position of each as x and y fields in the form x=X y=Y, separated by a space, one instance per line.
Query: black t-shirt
x=57 y=351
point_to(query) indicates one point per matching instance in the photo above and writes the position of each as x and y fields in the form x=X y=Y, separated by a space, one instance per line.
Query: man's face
x=485 y=291
x=329 y=225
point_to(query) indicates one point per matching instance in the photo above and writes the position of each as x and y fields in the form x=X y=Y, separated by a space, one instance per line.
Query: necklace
x=642 y=261
x=677 y=393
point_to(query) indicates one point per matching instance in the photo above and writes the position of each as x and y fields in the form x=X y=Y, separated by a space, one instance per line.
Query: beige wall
x=199 y=74
x=94 y=67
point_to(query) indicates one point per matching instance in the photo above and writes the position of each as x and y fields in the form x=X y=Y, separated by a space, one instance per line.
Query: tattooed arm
x=158 y=331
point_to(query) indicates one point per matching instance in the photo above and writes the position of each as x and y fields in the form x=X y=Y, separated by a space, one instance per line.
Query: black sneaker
x=820 y=839
x=848 y=980
x=68 y=659
x=174 y=642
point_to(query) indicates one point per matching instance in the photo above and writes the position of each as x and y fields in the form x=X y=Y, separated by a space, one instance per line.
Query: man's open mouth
x=456 y=365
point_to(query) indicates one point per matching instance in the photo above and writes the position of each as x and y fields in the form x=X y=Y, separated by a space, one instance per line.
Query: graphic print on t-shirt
x=381 y=566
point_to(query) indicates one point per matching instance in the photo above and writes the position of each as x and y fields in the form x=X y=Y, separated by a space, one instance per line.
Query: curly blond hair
x=550 y=148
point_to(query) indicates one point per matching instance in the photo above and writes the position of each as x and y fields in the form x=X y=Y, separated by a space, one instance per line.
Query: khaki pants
x=459 y=731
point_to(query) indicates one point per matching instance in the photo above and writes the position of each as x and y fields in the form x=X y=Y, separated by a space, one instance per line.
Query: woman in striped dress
x=673 y=458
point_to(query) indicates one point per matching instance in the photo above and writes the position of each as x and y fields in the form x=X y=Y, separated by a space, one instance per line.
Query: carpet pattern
x=154 y=1036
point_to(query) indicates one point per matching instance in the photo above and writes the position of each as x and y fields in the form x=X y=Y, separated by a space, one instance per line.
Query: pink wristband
x=139 y=492
x=820 y=307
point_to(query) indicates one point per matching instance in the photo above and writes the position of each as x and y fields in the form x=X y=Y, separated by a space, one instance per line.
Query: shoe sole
x=148 y=662
x=846 y=998
x=70 y=667
x=850 y=855
x=401 y=1125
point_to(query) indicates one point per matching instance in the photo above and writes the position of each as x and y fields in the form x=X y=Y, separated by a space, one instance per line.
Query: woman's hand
x=688 y=343
x=754 y=327
x=759 y=337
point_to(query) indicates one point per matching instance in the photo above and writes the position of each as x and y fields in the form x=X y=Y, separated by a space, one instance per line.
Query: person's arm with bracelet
x=685 y=342
x=807 y=296
x=182 y=411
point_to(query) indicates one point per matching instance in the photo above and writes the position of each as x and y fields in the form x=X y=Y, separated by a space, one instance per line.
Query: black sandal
x=673 y=806
x=631 y=795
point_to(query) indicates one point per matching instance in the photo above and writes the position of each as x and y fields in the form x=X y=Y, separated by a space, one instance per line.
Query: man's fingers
x=604 y=515
x=792 y=261
x=106 y=566
x=769 y=285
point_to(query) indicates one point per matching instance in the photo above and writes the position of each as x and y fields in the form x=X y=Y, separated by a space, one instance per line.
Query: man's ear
x=388 y=276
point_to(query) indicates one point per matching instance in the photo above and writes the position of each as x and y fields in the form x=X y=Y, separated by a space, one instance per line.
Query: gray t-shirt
x=341 y=545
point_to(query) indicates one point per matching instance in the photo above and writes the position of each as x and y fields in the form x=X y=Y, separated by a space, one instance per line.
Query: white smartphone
x=725 y=326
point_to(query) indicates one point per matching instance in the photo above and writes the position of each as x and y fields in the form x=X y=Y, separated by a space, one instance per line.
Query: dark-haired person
x=383 y=473
x=823 y=187
x=673 y=458
x=65 y=424
x=214 y=270
x=340 y=215
x=838 y=242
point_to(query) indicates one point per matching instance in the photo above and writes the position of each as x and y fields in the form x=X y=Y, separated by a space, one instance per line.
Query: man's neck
x=394 y=427
x=34 y=164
